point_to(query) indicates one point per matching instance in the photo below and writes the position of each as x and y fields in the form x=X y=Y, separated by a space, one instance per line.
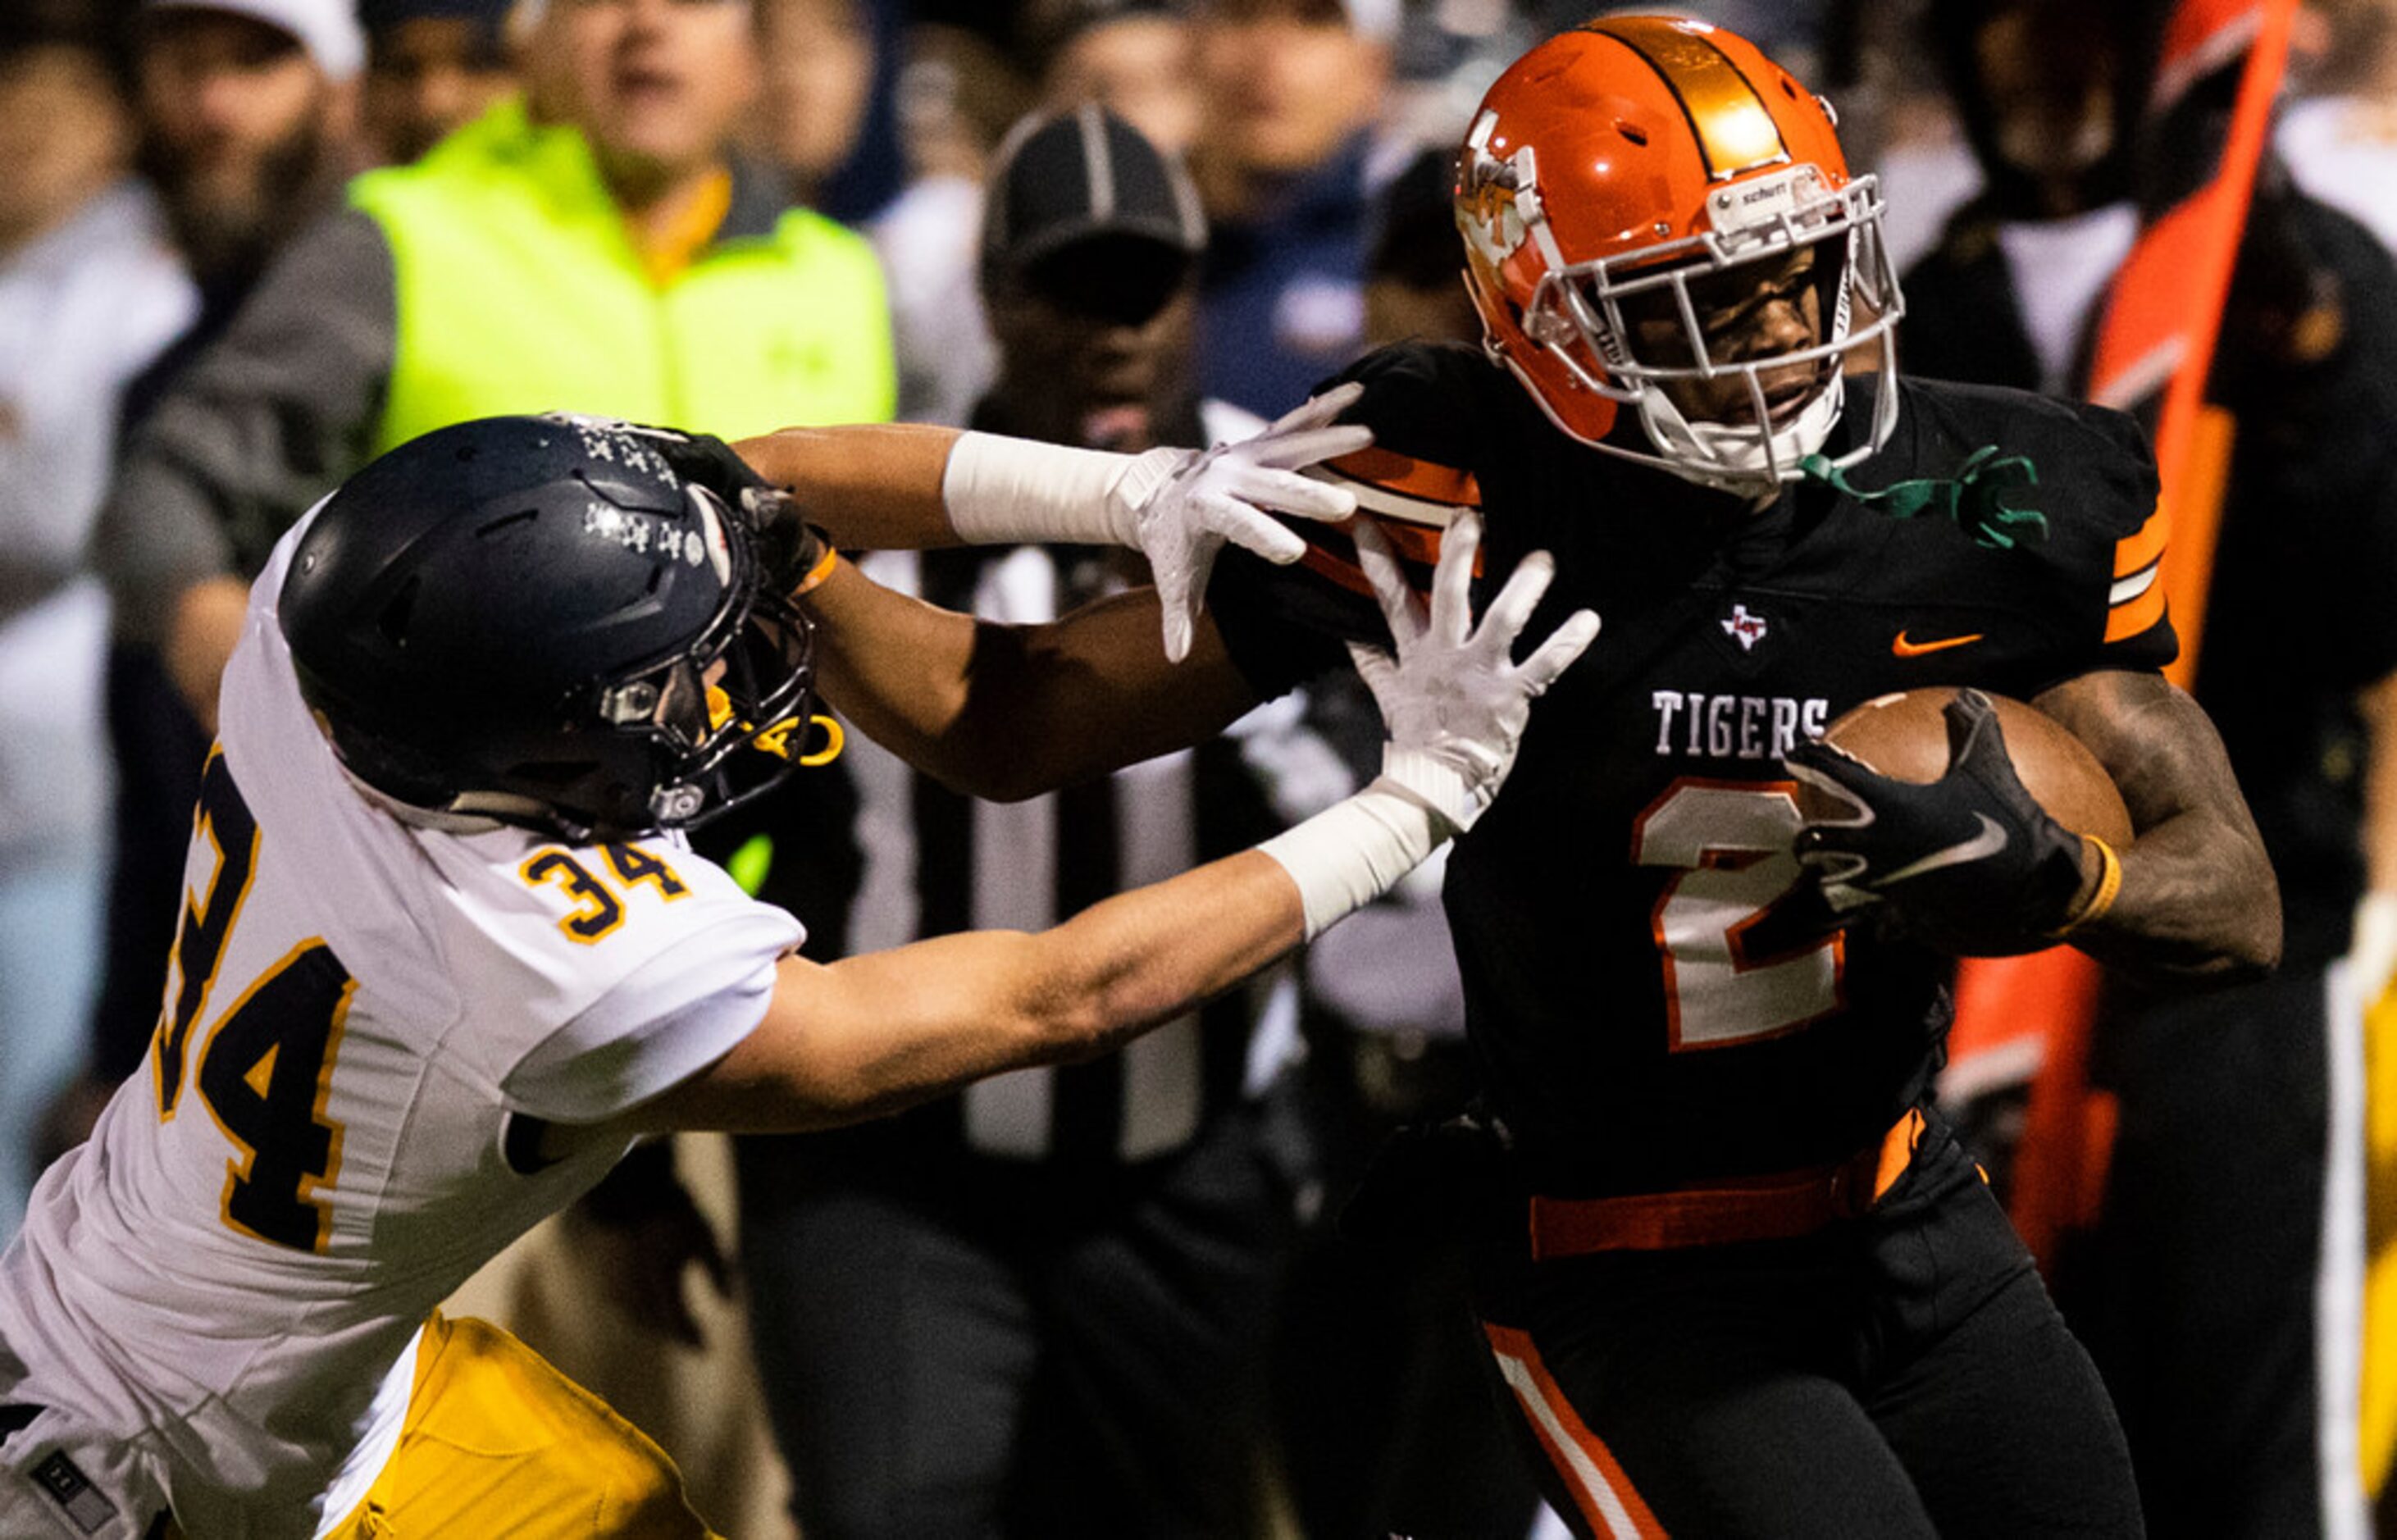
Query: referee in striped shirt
x=1043 y=1308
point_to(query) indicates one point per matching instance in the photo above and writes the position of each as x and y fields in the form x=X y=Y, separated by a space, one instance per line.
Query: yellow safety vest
x=519 y=291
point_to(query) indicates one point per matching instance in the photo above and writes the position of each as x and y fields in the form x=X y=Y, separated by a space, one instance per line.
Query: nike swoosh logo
x=1988 y=842
x=1905 y=649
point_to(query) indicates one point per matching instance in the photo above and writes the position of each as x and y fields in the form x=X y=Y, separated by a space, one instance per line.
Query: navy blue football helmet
x=553 y=621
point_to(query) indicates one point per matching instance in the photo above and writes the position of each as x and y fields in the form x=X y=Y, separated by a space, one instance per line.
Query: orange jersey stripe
x=1340 y=570
x=2142 y=549
x=1414 y=542
x=1397 y=473
x=1417 y=545
x=2129 y=619
x=1605 y=1497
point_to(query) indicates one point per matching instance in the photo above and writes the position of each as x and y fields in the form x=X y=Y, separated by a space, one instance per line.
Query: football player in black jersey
x=1739 y=1277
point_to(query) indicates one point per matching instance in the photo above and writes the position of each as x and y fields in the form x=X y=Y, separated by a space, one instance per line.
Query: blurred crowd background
x=246 y=244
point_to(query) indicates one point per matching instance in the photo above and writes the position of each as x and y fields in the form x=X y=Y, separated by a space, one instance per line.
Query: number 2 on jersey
x=1730 y=842
x=267 y=1065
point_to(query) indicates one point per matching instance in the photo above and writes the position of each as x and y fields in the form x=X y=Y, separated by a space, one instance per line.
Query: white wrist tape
x=1006 y=491
x=1442 y=783
x=1357 y=849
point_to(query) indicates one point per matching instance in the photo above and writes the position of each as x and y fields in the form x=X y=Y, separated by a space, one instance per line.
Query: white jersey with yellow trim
x=206 y=1296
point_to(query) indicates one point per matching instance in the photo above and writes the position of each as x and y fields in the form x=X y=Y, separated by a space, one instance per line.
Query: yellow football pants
x=2378 y=1437
x=498 y=1444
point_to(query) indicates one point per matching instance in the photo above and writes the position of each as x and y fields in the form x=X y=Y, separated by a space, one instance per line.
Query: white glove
x=1453 y=698
x=1179 y=506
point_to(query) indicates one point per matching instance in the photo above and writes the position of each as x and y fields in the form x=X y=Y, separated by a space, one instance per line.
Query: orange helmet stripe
x=1734 y=130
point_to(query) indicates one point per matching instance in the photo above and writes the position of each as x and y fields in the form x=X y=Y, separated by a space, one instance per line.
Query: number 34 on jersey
x=264 y=1070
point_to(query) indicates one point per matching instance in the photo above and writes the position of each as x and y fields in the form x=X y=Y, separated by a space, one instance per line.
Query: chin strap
x=1745 y=459
x=1975 y=498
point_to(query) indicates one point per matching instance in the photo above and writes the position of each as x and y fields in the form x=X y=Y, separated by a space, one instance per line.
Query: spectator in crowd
x=431 y=65
x=830 y=122
x=1132 y=58
x=1042 y=1308
x=89 y=292
x=593 y=254
x=1288 y=90
x=1411 y=284
x=821 y=61
x=2199 y=1299
x=246 y=109
x=2341 y=138
x=1896 y=110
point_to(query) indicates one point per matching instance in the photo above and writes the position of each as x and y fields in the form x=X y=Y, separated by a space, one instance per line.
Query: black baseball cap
x=1084 y=211
x=381 y=16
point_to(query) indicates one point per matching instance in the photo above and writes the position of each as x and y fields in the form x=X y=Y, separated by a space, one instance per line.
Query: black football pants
x=1903 y=1373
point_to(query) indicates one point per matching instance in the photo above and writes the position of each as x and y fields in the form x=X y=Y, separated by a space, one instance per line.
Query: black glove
x=1968 y=863
x=793 y=555
x=790 y=550
x=707 y=461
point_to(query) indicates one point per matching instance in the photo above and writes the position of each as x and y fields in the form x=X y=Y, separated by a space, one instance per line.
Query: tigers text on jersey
x=207 y=1297
x=1639 y=1023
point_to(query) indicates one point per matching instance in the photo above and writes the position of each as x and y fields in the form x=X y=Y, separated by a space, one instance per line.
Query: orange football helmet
x=1622 y=162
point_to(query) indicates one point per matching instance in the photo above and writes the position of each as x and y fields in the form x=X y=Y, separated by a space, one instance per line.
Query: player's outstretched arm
x=2197 y=898
x=872 y=1034
x=1004 y=711
x=999 y=711
x=904 y=487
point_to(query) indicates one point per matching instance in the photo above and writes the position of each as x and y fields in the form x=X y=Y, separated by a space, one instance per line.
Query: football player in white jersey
x=446 y=955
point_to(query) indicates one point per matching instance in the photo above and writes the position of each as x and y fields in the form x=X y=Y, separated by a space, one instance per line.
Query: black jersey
x=1637 y=1027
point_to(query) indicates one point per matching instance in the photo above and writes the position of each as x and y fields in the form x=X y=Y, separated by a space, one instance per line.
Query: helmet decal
x=714 y=547
x=1490 y=206
x=611 y=440
x=647 y=534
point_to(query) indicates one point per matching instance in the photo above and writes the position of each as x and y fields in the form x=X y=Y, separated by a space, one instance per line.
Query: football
x=1903 y=736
